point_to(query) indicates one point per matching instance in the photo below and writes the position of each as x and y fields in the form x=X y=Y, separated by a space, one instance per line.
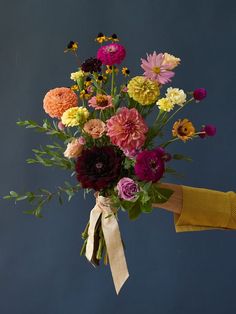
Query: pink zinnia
x=149 y=166
x=155 y=68
x=127 y=129
x=100 y=102
x=111 y=54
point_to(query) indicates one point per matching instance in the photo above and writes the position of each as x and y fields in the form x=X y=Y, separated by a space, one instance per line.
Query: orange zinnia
x=183 y=129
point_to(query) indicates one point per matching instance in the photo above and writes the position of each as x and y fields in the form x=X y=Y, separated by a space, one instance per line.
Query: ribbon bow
x=111 y=232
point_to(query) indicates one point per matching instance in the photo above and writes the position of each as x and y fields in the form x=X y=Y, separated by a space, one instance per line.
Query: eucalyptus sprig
x=47 y=128
x=51 y=156
x=42 y=197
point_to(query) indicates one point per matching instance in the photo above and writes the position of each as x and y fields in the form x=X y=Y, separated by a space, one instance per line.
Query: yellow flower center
x=156 y=70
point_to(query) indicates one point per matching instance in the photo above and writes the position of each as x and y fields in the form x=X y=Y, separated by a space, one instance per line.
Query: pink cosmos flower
x=127 y=129
x=155 y=68
x=100 y=102
x=111 y=54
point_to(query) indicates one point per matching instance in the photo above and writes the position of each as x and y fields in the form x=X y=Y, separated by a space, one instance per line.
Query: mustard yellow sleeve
x=205 y=209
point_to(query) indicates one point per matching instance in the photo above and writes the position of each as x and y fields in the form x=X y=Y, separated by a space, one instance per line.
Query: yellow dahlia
x=165 y=104
x=183 y=129
x=75 y=116
x=143 y=90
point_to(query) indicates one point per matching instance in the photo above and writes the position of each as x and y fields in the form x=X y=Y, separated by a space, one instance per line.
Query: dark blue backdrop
x=41 y=271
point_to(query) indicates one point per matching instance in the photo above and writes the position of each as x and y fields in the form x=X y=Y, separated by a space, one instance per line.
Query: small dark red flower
x=91 y=65
x=98 y=167
x=208 y=130
x=199 y=94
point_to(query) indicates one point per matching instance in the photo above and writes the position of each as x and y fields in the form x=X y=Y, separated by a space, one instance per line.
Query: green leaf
x=181 y=157
x=146 y=207
x=13 y=193
x=173 y=172
x=126 y=205
x=128 y=163
x=21 y=198
x=29 y=212
x=160 y=195
x=7 y=197
x=135 y=211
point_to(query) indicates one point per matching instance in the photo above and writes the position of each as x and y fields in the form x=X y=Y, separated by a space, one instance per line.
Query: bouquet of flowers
x=101 y=135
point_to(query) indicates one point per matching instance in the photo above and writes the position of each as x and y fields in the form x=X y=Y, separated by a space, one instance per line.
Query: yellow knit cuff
x=204 y=209
x=232 y=220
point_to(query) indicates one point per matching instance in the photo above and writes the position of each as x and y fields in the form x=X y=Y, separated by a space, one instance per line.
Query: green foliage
x=42 y=197
x=173 y=172
x=129 y=163
x=47 y=128
x=51 y=156
x=149 y=194
x=181 y=157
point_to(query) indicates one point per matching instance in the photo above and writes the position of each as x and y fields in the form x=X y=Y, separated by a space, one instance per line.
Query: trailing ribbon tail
x=114 y=245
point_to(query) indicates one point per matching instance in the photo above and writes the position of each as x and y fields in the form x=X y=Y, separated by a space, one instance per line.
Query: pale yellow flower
x=75 y=116
x=165 y=104
x=171 y=60
x=75 y=76
x=176 y=96
x=143 y=90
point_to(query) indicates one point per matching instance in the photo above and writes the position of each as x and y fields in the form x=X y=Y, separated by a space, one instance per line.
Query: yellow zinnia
x=143 y=90
x=165 y=104
x=183 y=129
x=75 y=116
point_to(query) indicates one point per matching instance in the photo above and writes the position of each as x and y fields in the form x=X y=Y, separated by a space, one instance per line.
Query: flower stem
x=180 y=108
x=169 y=142
x=112 y=80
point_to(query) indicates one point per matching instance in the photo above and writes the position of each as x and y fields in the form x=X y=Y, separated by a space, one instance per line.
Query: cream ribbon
x=112 y=238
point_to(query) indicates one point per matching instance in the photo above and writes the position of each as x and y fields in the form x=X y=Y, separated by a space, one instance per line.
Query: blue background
x=41 y=271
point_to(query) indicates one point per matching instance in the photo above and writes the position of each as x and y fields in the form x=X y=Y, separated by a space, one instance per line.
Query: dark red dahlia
x=98 y=167
x=149 y=166
x=91 y=65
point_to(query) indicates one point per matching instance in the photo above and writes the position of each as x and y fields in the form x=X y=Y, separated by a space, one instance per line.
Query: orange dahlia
x=58 y=100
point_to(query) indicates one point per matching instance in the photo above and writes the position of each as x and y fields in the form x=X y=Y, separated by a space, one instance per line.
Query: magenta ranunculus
x=111 y=54
x=208 y=130
x=127 y=189
x=149 y=166
x=199 y=94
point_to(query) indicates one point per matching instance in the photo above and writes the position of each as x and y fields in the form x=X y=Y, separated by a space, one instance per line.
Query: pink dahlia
x=111 y=54
x=149 y=166
x=127 y=129
x=156 y=69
